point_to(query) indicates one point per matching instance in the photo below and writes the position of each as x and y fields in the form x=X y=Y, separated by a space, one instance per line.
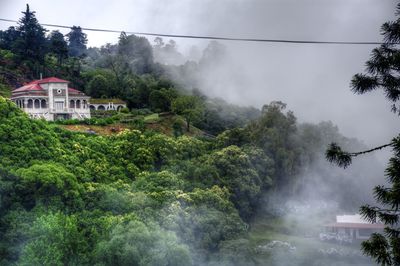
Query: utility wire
x=222 y=38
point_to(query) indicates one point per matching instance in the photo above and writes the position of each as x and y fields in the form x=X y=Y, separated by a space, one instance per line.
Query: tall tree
x=136 y=53
x=29 y=45
x=58 y=46
x=190 y=107
x=77 y=41
x=273 y=132
x=8 y=38
x=382 y=72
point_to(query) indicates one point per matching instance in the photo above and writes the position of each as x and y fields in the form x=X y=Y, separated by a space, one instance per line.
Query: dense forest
x=142 y=196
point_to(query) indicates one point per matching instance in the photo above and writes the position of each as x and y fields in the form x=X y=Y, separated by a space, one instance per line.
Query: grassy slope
x=161 y=124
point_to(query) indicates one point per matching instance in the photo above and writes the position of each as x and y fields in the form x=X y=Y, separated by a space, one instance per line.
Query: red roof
x=48 y=80
x=356 y=225
x=35 y=85
x=29 y=87
x=74 y=91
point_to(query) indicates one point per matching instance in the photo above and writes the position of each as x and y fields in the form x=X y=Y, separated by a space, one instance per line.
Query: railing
x=55 y=110
x=61 y=111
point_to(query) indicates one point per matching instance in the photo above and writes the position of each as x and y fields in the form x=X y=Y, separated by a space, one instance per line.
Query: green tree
x=382 y=72
x=98 y=87
x=273 y=132
x=136 y=52
x=204 y=218
x=160 y=100
x=76 y=42
x=138 y=244
x=58 y=46
x=236 y=172
x=158 y=182
x=8 y=38
x=54 y=239
x=190 y=107
x=31 y=44
x=48 y=184
x=101 y=82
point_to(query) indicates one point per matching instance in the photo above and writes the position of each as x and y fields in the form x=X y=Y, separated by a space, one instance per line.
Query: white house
x=51 y=99
x=107 y=104
x=354 y=227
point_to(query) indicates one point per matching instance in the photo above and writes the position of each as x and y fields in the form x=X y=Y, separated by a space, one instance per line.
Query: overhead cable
x=222 y=38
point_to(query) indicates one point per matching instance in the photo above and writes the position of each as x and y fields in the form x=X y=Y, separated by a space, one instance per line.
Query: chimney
x=41 y=76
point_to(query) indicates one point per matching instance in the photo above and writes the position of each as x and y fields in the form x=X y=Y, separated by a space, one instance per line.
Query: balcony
x=61 y=111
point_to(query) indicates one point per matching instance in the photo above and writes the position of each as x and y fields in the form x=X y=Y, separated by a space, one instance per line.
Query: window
x=365 y=232
x=43 y=104
x=30 y=103
x=59 y=105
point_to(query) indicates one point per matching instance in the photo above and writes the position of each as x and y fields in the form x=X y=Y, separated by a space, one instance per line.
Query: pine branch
x=335 y=154
x=371 y=150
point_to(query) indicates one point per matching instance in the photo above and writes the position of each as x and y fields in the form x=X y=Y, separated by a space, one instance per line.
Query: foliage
x=236 y=173
x=76 y=41
x=54 y=239
x=382 y=73
x=31 y=41
x=137 y=196
x=160 y=100
x=58 y=46
x=48 y=184
x=190 y=107
x=274 y=133
x=136 y=52
x=137 y=244
x=5 y=91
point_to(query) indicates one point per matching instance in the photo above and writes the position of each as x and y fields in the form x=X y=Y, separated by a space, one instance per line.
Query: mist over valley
x=189 y=144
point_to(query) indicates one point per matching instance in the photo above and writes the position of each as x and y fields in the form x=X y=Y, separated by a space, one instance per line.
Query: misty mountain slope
x=196 y=175
x=193 y=195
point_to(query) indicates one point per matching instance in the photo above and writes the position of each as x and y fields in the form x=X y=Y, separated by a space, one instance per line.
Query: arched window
x=84 y=104
x=78 y=104
x=30 y=103
x=37 y=104
x=101 y=107
x=92 y=107
x=72 y=104
x=43 y=103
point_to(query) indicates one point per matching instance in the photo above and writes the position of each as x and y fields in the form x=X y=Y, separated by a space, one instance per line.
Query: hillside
x=176 y=178
x=187 y=199
x=167 y=124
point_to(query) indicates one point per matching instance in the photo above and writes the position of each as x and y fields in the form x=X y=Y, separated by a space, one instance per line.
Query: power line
x=222 y=38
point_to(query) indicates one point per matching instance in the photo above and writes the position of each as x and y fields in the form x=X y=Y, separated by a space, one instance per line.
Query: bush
x=125 y=110
x=143 y=111
x=89 y=121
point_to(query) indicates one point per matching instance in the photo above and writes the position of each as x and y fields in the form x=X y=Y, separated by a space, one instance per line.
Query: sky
x=312 y=79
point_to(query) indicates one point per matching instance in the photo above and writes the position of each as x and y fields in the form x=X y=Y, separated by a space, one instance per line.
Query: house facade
x=51 y=99
x=353 y=227
x=107 y=104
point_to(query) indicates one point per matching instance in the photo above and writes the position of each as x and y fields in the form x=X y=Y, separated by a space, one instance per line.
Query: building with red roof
x=354 y=227
x=51 y=99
